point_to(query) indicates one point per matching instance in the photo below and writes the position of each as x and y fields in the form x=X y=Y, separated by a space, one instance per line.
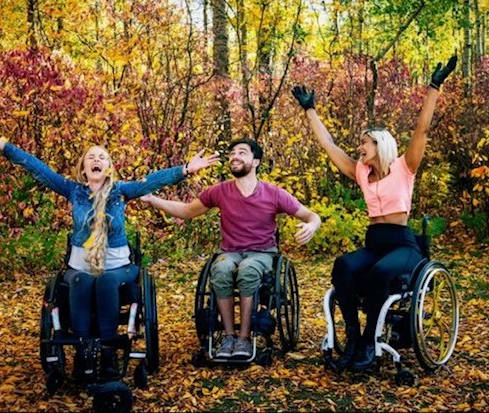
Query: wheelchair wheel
x=47 y=349
x=141 y=376
x=434 y=316
x=287 y=303
x=205 y=306
x=112 y=397
x=339 y=326
x=150 y=322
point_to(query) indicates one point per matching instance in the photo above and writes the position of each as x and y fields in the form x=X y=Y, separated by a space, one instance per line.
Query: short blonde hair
x=96 y=245
x=386 y=146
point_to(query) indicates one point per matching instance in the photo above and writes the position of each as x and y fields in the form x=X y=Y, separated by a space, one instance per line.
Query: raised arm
x=39 y=170
x=309 y=225
x=345 y=163
x=169 y=176
x=417 y=145
x=175 y=208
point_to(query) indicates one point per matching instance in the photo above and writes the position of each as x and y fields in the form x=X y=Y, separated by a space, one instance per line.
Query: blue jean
x=390 y=251
x=103 y=291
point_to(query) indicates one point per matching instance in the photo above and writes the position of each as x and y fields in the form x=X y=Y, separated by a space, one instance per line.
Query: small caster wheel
x=328 y=358
x=404 y=378
x=54 y=380
x=198 y=359
x=264 y=359
x=111 y=397
x=141 y=376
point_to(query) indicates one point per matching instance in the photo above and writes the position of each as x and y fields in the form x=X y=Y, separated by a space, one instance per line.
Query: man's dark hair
x=255 y=148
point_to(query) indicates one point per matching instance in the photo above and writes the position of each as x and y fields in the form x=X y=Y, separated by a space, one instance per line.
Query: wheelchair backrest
x=423 y=239
x=423 y=242
x=136 y=255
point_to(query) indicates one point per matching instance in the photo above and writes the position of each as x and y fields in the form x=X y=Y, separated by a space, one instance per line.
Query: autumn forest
x=154 y=82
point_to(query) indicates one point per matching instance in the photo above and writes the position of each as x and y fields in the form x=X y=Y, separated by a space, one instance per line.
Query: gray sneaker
x=227 y=347
x=242 y=348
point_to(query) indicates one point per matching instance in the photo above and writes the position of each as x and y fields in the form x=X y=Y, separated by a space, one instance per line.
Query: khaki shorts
x=244 y=269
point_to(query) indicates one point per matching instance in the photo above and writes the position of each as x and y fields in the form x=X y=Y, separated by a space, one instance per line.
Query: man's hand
x=305 y=99
x=440 y=74
x=307 y=230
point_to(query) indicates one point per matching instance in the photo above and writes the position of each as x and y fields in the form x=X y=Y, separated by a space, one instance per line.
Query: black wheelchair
x=275 y=307
x=422 y=312
x=137 y=316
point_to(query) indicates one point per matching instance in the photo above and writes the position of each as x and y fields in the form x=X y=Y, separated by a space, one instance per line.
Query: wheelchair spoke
x=435 y=316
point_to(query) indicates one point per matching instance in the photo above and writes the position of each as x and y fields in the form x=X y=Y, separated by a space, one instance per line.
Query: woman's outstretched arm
x=345 y=163
x=417 y=145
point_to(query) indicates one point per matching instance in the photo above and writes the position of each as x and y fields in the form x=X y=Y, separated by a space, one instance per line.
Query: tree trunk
x=373 y=64
x=221 y=48
x=31 y=23
x=467 y=52
x=221 y=68
x=242 y=33
x=479 y=51
x=205 y=18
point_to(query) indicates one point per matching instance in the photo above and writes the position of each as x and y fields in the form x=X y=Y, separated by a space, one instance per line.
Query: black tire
x=434 y=316
x=112 y=397
x=141 y=376
x=202 y=312
x=199 y=359
x=150 y=318
x=404 y=378
x=264 y=359
x=46 y=348
x=54 y=380
x=287 y=303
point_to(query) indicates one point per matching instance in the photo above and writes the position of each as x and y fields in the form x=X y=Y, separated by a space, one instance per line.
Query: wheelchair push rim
x=287 y=302
x=434 y=316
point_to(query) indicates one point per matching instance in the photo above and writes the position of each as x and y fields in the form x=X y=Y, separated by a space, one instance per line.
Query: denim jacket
x=79 y=195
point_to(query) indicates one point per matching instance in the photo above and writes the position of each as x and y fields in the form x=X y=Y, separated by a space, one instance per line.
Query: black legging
x=390 y=251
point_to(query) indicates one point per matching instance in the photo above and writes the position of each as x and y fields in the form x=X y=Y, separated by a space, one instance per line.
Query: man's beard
x=243 y=171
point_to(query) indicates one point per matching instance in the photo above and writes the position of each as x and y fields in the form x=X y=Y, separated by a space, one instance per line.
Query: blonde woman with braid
x=99 y=258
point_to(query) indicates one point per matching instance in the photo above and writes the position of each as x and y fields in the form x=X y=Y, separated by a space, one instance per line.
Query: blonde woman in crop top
x=387 y=181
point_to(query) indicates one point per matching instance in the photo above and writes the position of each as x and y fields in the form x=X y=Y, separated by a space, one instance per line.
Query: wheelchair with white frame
x=137 y=339
x=275 y=310
x=422 y=312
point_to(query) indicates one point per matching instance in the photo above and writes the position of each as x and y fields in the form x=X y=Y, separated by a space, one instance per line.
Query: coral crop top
x=392 y=193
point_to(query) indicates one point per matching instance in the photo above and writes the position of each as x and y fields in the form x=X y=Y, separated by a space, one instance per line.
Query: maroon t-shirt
x=248 y=223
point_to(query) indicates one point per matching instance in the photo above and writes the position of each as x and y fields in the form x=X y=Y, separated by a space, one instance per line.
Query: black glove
x=306 y=100
x=439 y=75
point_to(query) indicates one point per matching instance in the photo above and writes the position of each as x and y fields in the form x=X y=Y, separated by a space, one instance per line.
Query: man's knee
x=222 y=284
x=248 y=280
x=222 y=275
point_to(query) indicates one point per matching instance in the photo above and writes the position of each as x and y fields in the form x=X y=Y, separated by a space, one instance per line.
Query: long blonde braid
x=96 y=244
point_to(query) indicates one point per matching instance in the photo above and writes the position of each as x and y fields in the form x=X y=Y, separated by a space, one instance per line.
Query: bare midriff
x=398 y=218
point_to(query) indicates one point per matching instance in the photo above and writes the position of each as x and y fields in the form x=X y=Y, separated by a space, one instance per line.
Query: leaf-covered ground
x=297 y=382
